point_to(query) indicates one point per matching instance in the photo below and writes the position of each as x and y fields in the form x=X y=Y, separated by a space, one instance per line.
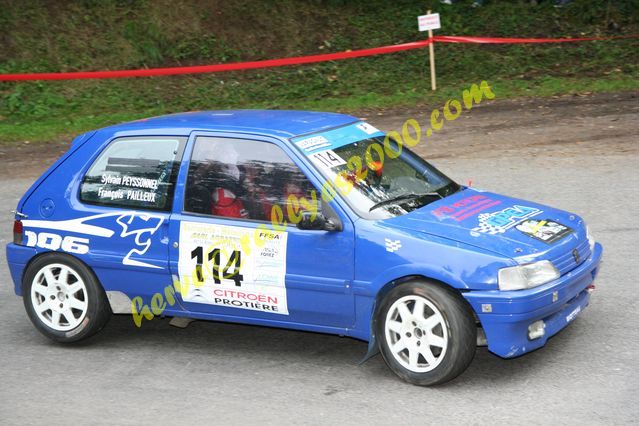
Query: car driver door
x=233 y=261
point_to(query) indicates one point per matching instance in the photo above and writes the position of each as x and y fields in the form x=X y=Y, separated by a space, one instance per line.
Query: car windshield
x=376 y=177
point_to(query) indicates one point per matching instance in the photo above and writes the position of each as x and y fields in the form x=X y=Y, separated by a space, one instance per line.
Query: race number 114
x=234 y=261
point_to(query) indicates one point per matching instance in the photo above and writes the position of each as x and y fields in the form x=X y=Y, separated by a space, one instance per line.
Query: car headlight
x=527 y=276
x=591 y=240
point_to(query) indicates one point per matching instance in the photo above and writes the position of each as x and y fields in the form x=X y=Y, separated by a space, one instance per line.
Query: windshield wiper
x=403 y=198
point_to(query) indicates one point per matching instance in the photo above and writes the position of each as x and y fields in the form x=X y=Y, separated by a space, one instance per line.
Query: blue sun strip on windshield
x=335 y=138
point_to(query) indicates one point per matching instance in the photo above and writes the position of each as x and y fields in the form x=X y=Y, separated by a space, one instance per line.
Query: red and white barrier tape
x=506 y=40
x=297 y=60
x=269 y=63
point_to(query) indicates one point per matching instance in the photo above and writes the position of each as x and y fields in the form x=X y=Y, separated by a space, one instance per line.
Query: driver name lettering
x=135 y=195
x=130 y=181
x=117 y=194
x=147 y=197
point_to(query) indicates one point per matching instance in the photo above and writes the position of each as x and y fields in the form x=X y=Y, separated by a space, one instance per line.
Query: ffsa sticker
x=233 y=267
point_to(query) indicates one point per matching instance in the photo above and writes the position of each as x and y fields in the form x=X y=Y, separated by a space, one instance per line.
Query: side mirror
x=318 y=223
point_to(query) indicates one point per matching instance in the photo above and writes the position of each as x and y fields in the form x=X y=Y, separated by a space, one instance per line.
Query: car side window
x=135 y=172
x=244 y=179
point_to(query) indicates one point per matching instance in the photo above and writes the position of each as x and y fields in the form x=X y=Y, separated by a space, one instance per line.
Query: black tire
x=90 y=320
x=460 y=328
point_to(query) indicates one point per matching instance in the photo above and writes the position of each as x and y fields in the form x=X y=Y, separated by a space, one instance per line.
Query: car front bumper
x=506 y=315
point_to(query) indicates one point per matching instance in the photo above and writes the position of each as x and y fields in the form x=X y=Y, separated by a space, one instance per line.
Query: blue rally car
x=303 y=220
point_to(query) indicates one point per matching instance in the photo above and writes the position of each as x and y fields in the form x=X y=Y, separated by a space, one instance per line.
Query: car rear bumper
x=18 y=257
x=506 y=315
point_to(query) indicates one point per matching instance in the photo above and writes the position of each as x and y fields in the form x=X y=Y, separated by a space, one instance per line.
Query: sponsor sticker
x=392 y=245
x=233 y=267
x=571 y=316
x=544 y=230
x=500 y=221
x=465 y=208
x=313 y=143
x=367 y=128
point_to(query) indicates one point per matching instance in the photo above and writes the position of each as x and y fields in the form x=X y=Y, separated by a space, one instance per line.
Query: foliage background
x=40 y=35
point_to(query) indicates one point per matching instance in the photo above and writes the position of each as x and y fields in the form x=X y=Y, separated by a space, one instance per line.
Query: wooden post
x=431 y=54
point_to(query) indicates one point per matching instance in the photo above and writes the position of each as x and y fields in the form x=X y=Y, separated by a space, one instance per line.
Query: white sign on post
x=428 y=22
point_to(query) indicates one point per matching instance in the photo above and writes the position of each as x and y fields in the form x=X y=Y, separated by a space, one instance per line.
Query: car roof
x=279 y=123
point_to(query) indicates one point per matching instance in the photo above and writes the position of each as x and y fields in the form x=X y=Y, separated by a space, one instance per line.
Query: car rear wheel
x=63 y=298
x=426 y=333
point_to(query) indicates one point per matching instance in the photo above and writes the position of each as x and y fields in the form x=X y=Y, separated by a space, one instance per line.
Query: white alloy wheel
x=59 y=297
x=416 y=333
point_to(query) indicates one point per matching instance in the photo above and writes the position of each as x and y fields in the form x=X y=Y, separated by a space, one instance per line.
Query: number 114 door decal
x=232 y=266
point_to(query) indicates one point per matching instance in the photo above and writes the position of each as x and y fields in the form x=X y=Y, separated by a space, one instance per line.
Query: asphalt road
x=230 y=374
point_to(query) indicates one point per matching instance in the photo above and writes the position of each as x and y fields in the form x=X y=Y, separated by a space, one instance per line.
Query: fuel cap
x=47 y=206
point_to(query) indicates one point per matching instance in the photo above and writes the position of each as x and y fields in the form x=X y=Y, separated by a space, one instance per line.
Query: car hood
x=511 y=227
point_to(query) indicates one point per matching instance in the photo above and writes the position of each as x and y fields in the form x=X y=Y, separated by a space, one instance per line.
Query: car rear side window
x=136 y=172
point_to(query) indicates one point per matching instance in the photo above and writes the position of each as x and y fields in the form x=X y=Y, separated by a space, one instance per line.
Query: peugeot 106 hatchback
x=303 y=220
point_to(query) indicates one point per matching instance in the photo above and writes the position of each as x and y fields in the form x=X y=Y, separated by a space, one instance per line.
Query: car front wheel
x=427 y=333
x=63 y=298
